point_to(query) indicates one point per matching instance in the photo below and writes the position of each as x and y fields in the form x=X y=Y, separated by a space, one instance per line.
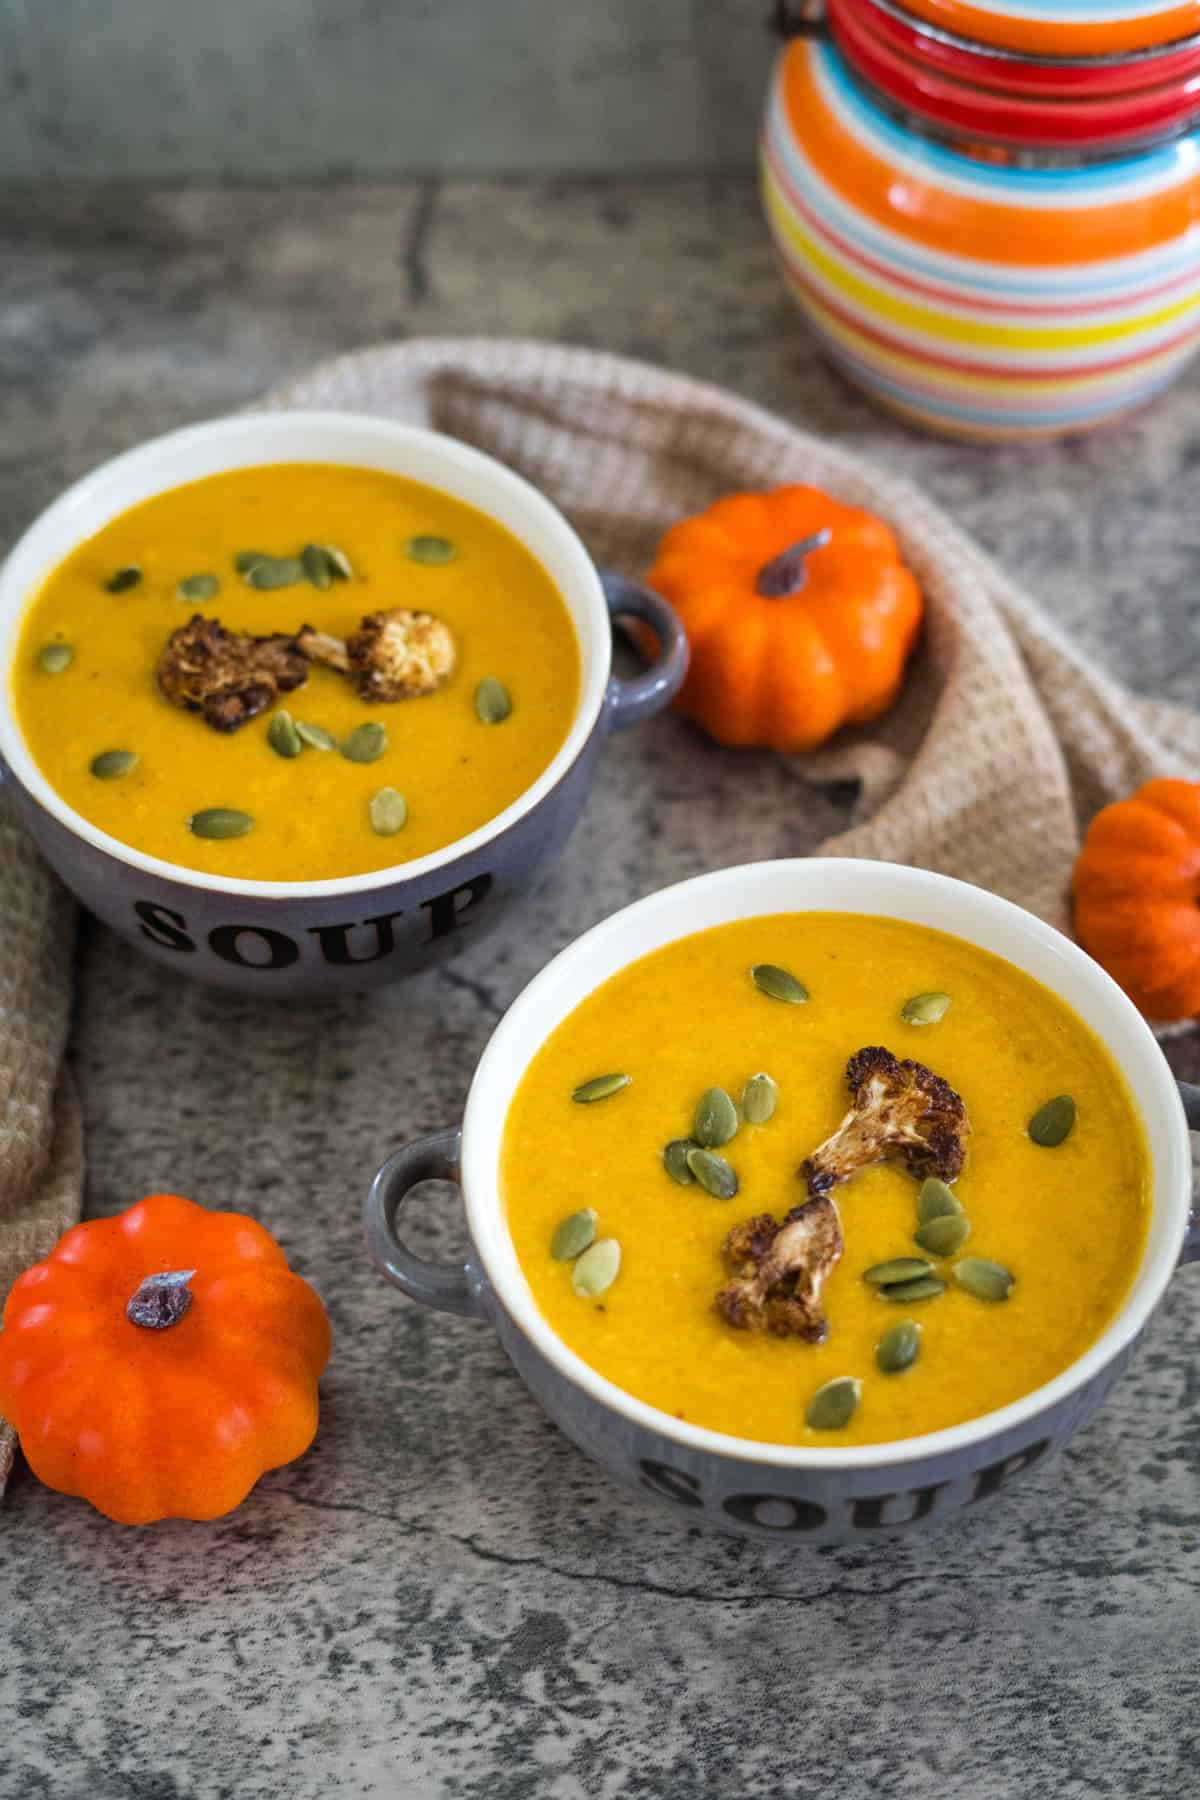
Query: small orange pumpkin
x=799 y=613
x=157 y=1363
x=1137 y=896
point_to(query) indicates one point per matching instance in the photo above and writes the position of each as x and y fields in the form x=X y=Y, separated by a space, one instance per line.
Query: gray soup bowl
x=818 y=1496
x=288 y=939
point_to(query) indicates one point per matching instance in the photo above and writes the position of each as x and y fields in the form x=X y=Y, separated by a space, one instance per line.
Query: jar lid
x=1013 y=70
x=1010 y=111
x=1068 y=28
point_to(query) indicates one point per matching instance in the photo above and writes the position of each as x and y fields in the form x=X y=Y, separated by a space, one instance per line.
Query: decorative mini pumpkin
x=159 y=1362
x=799 y=613
x=1137 y=896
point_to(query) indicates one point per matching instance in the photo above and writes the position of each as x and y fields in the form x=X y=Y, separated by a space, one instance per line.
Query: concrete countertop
x=443 y=1597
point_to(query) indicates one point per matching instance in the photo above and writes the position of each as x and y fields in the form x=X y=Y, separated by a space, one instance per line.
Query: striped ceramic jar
x=977 y=293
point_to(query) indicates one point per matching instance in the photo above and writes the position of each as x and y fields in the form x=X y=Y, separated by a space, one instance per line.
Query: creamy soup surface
x=311 y=813
x=1067 y=1222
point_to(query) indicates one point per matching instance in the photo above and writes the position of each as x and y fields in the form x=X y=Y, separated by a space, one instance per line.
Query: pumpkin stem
x=785 y=574
x=161 y=1300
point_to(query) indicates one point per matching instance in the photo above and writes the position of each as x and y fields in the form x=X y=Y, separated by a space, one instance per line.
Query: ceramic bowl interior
x=838 y=885
x=255 y=439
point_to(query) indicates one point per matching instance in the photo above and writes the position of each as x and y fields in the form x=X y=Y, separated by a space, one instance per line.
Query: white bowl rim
x=1171 y=1184
x=16 y=592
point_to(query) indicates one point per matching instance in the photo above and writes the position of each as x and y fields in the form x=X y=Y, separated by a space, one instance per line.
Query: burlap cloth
x=1004 y=742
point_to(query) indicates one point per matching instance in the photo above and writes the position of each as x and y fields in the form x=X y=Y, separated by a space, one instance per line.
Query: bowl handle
x=448 y=1287
x=643 y=695
x=1189 y=1093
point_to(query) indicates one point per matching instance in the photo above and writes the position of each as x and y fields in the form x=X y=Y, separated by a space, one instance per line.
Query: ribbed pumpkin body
x=1137 y=897
x=162 y=1423
x=786 y=672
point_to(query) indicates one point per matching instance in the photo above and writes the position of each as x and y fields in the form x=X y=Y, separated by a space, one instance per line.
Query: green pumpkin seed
x=897 y=1268
x=366 y=743
x=123 y=579
x=925 y=1009
x=220 y=822
x=596 y=1269
x=600 y=1087
x=833 y=1406
x=111 y=764
x=574 y=1235
x=316 y=566
x=713 y=1173
x=275 y=572
x=389 y=812
x=716 y=1119
x=1052 y=1123
x=982 y=1279
x=197 y=587
x=778 y=984
x=675 y=1161
x=54 y=658
x=315 y=736
x=493 y=702
x=928 y=1287
x=944 y=1236
x=425 y=549
x=935 y=1201
x=245 y=560
x=282 y=735
x=758 y=1099
x=899 y=1347
x=339 y=563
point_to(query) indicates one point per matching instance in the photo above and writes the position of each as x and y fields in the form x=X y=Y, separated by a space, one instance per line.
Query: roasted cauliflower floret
x=900 y=1109
x=227 y=676
x=395 y=655
x=780 y=1269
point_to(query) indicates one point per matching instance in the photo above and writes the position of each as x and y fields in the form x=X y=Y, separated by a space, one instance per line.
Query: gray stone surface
x=148 y=91
x=444 y=1598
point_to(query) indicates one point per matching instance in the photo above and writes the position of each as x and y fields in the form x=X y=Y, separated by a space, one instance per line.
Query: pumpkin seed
x=1052 y=1123
x=220 y=822
x=983 y=1279
x=928 y=1287
x=123 y=579
x=897 y=1268
x=366 y=743
x=197 y=587
x=675 y=1161
x=925 y=1009
x=945 y=1235
x=600 y=1087
x=716 y=1119
x=899 y=1347
x=596 y=1269
x=574 y=1235
x=389 y=812
x=245 y=560
x=935 y=1201
x=315 y=736
x=833 y=1406
x=493 y=702
x=282 y=735
x=425 y=549
x=713 y=1173
x=758 y=1099
x=275 y=572
x=778 y=984
x=111 y=764
x=339 y=563
x=54 y=658
x=316 y=566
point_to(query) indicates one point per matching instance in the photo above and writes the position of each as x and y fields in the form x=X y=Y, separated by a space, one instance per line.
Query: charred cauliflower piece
x=394 y=655
x=900 y=1109
x=780 y=1269
x=227 y=676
